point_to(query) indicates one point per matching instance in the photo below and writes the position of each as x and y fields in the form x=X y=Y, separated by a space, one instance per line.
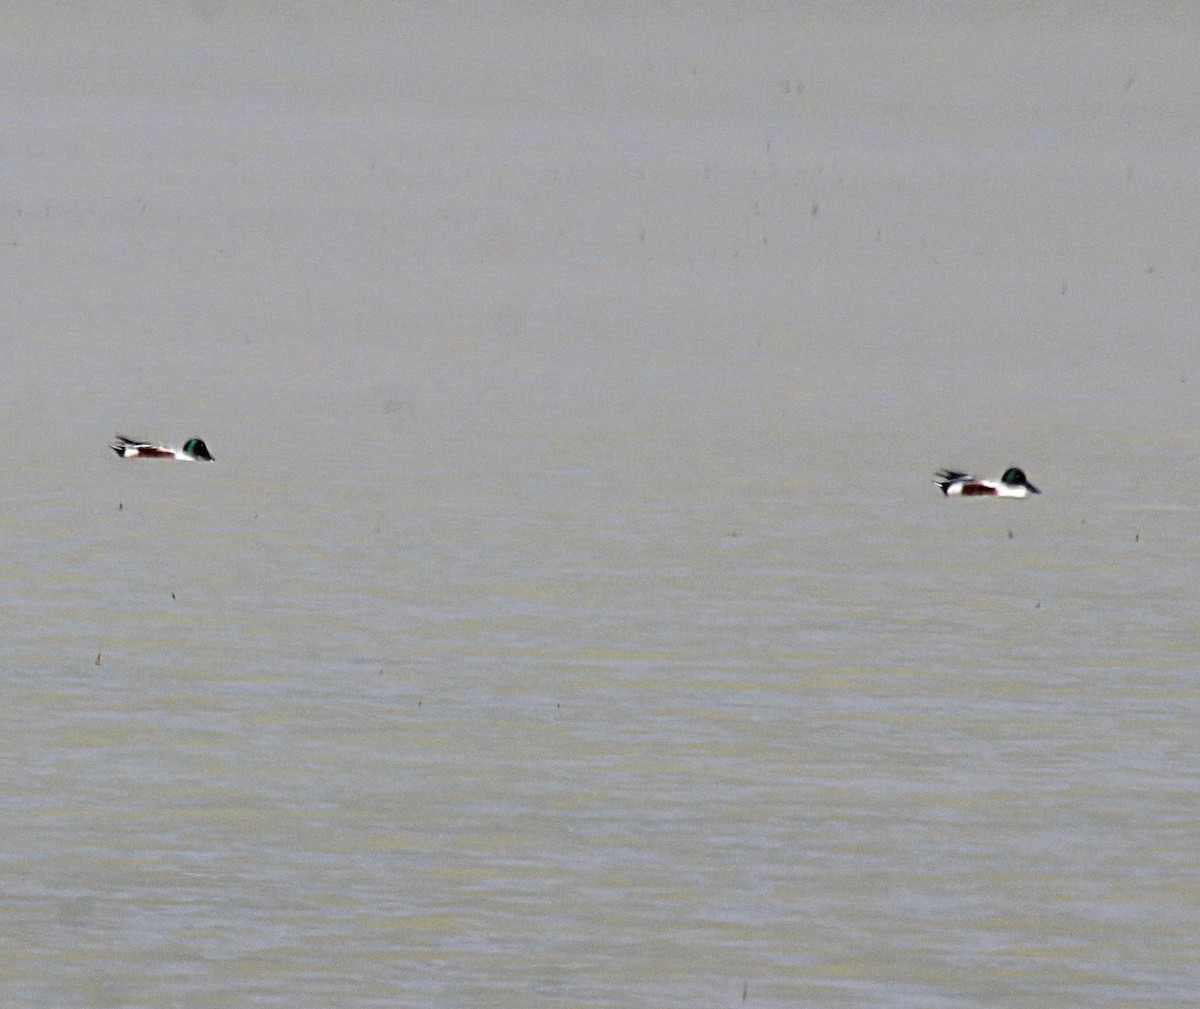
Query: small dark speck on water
x=1010 y=535
x=1038 y=605
x=1136 y=537
x=173 y=597
x=120 y=506
x=98 y=658
x=745 y=990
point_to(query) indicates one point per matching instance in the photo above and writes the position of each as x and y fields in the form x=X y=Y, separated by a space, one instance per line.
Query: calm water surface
x=569 y=619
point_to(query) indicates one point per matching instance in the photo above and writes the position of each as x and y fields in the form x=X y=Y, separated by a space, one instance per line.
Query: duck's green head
x=1015 y=477
x=196 y=448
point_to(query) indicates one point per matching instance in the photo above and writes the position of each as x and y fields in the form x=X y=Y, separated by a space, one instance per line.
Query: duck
x=1013 y=483
x=193 y=449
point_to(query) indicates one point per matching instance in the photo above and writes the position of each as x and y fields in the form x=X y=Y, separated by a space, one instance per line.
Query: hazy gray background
x=569 y=618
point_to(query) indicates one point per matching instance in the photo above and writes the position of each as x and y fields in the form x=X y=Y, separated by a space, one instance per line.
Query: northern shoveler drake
x=193 y=450
x=1013 y=484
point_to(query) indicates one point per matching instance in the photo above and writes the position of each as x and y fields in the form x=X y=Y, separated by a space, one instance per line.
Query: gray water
x=569 y=618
